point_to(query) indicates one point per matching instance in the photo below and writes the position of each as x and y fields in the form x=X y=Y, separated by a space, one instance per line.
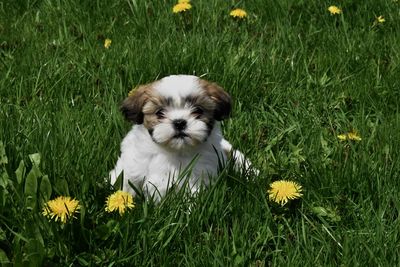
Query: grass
x=298 y=76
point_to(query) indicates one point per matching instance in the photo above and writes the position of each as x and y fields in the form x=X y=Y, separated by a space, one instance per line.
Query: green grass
x=298 y=77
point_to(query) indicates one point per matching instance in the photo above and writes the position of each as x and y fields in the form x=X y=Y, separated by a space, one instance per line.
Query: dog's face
x=178 y=111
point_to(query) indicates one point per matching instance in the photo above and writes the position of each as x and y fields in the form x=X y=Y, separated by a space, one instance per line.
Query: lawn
x=302 y=79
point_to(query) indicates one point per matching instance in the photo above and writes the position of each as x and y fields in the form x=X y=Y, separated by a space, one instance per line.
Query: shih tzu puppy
x=176 y=127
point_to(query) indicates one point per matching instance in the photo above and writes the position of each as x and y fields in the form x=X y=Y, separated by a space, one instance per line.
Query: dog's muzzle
x=180 y=127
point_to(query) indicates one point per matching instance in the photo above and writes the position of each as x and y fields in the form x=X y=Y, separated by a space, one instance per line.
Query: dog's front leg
x=240 y=161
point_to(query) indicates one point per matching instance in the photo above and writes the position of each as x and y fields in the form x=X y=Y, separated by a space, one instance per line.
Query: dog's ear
x=220 y=97
x=132 y=106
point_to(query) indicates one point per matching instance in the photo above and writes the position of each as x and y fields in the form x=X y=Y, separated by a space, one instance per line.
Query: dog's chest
x=199 y=165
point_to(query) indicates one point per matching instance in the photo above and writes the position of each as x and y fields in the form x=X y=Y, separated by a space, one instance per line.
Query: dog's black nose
x=179 y=124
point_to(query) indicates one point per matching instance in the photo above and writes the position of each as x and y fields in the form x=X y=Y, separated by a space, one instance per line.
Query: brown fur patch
x=208 y=106
x=132 y=105
x=153 y=104
x=220 y=97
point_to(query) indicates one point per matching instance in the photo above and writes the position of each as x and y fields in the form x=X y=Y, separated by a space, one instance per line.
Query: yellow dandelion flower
x=342 y=137
x=238 y=13
x=380 y=19
x=61 y=208
x=334 y=10
x=181 y=7
x=107 y=43
x=119 y=201
x=183 y=1
x=353 y=136
x=282 y=191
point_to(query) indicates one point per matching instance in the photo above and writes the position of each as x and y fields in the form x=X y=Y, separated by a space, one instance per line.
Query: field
x=300 y=78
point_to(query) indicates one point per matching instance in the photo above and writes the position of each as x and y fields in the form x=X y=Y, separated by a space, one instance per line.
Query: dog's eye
x=160 y=114
x=198 y=111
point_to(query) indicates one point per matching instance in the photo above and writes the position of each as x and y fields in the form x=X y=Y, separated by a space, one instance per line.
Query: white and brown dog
x=176 y=125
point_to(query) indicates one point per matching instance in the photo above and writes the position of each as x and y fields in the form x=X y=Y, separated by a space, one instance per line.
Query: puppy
x=176 y=126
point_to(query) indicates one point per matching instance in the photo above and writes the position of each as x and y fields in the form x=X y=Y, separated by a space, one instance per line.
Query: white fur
x=178 y=86
x=144 y=163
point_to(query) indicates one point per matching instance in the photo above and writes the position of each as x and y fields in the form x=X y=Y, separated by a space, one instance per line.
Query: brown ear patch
x=132 y=105
x=220 y=97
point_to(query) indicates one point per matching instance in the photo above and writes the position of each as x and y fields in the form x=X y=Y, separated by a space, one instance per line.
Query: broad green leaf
x=321 y=211
x=3 y=257
x=35 y=171
x=45 y=188
x=20 y=172
x=82 y=261
x=4 y=179
x=35 y=158
x=3 y=196
x=119 y=182
x=31 y=187
x=328 y=213
x=3 y=156
x=61 y=187
x=4 y=182
x=238 y=260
